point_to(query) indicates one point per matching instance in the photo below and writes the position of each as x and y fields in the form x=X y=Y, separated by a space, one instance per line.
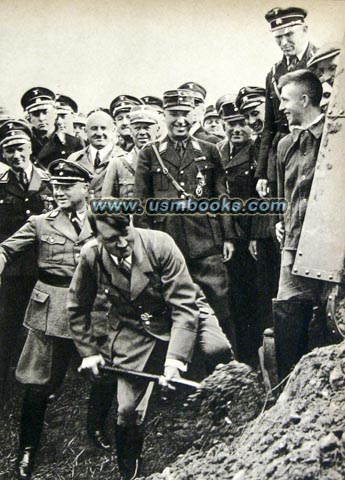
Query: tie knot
x=23 y=178
x=293 y=60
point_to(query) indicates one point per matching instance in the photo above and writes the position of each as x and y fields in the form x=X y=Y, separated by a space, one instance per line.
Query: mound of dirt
x=302 y=437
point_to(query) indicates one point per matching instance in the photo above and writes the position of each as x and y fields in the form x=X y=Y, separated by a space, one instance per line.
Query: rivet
x=307 y=272
x=318 y=274
x=331 y=277
x=329 y=315
x=330 y=297
x=295 y=270
x=300 y=254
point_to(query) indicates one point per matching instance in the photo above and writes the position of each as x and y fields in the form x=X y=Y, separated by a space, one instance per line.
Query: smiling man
x=101 y=149
x=297 y=297
x=120 y=108
x=57 y=237
x=120 y=175
x=195 y=170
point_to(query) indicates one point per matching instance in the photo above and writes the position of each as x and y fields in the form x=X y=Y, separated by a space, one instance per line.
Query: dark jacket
x=44 y=152
x=196 y=235
x=276 y=125
x=17 y=205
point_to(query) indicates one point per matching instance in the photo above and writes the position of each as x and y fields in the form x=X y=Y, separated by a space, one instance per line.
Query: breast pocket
x=126 y=186
x=53 y=247
x=160 y=181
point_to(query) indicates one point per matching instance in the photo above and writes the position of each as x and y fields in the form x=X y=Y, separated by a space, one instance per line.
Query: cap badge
x=279 y=21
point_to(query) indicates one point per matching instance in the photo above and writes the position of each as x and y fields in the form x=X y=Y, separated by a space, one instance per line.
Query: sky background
x=96 y=50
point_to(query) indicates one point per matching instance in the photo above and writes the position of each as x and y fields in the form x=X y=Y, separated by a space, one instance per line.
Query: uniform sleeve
x=180 y=295
x=143 y=186
x=280 y=173
x=267 y=134
x=80 y=300
x=21 y=241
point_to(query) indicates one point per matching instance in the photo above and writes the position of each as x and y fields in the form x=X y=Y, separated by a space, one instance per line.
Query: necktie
x=23 y=179
x=75 y=222
x=97 y=160
x=180 y=149
x=292 y=63
x=124 y=268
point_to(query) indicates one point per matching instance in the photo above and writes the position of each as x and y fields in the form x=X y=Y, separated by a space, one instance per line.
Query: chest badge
x=201 y=182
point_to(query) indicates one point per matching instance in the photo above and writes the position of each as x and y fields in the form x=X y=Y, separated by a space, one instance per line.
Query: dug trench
x=224 y=430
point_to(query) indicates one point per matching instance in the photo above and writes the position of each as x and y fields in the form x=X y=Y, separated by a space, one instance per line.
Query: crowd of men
x=139 y=293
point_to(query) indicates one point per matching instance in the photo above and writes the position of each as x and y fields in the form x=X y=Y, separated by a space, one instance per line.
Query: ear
x=305 y=100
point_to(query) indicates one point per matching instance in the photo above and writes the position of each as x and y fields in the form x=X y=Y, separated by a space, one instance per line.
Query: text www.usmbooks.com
x=223 y=205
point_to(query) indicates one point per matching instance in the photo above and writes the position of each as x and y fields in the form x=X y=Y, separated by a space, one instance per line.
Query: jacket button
x=28 y=212
x=147 y=322
x=181 y=172
x=77 y=255
x=182 y=184
x=106 y=291
x=140 y=307
x=246 y=172
x=63 y=152
x=26 y=200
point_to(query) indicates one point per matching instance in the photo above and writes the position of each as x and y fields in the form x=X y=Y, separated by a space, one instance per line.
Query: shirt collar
x=28 y=172
x=300 y=55
x=103 y=152
x=81 y=214
x=184 y=142
x=195 y=128
x=315 y=128
x=116 y=260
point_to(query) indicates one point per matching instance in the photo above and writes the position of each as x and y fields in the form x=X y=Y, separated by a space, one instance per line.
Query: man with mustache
x=101 y=149
x=195 y=169
x=48 y=143
x=212 y=122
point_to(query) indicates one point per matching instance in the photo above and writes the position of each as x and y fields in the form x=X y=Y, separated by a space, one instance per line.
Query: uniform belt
x=54 y=280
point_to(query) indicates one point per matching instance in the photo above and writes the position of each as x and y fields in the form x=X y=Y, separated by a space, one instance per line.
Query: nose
x=121 y=243
x=16 y=154
x=41 y=115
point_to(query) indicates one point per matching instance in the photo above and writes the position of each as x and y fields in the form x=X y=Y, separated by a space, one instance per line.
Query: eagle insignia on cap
x=35 y=92
x=276 y=11
x=10 y=126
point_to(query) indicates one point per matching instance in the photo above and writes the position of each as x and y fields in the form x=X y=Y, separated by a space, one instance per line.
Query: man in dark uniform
x=100 y=151
x=291 y=34
x=48 y=144
x=66 y=108
x=58 y=237
x=238 y=161
x=195 y=166
x=197 y=130
x=251 y=102
x=119 y=110
x=153 y=318
x=24 y=190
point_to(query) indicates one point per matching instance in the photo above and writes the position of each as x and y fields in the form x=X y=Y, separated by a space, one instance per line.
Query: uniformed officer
x=24 y=191
x=120 y=174
x=213 y=123
x=195 y=170
x=153 y=317
x=157 y=104
x=58 y=237
x=79 y=123
x=227 y=98
x=119 y=110
x=238 y=160
x=101 y=149
x=47 y=143
x=251 y=102
x=291 y=34
x=197 y=130
x=66 y=108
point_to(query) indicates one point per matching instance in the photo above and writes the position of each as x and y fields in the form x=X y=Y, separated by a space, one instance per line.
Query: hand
x=280 y=231
x=252 y=249
x=169 y=373
x=92 y=363
x=228 y=250
x=262 y=187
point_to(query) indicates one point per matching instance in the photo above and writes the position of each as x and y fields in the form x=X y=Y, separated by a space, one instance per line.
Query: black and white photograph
x=172 y=240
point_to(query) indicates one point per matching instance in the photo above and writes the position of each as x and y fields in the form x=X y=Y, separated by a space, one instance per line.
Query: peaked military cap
x=37 y=98
x=150 y=100
x=4 y=115
x=65 y=172
x=229 y=97
x=328 y=50
x=64 y=103
x=178 y=100
x=281 y=18
x=79 y=120
x=123 y=103
x=211 y=112
x=198 y=90
x=143 y=114
x=14 y=132
x=250 y=97
x=230 y=111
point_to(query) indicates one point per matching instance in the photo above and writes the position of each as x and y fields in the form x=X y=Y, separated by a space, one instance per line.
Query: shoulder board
x=196 y=144
x=43 y=174
x=4 y=177
x=53 y=214
x=162 y=147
